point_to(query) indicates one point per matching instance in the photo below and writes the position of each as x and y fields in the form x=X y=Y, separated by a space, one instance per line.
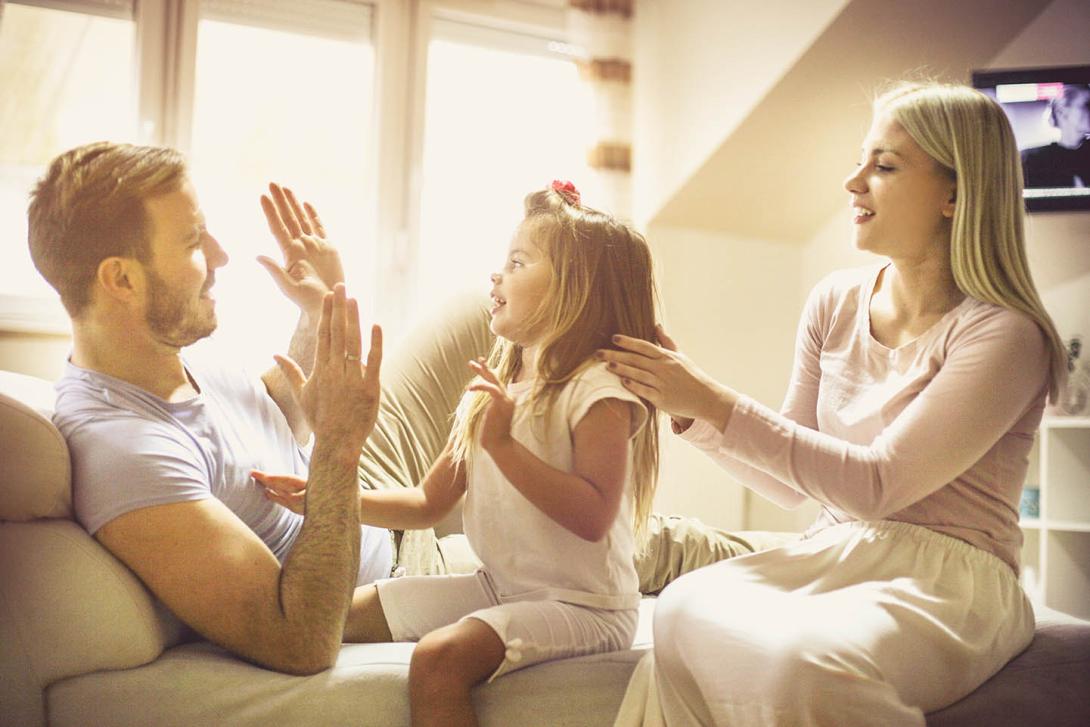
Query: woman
x=916 y=390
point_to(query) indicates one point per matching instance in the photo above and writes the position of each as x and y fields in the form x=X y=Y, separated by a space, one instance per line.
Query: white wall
x=1058 y=244
x=732 y=305
x=699 y=66
x=37 y=355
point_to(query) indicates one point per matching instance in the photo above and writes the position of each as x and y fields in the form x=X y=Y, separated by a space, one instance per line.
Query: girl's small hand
x=287 y=490
x=668 y=379
x=496 y=428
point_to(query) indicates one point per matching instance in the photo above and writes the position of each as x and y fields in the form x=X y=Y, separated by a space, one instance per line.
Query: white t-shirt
x=130 y=449
x=526 y=553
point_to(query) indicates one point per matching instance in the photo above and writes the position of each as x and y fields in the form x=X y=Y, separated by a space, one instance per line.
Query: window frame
x=165 y=58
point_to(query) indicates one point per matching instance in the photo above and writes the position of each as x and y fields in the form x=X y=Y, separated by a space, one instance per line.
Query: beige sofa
x=82 y=642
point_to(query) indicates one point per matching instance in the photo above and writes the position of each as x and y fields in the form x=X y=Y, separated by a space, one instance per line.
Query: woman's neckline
x=913 y=343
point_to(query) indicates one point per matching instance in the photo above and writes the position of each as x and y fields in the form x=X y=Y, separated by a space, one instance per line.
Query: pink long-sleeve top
x=936 y=432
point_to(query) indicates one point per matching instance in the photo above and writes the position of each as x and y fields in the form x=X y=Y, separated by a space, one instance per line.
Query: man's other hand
x=340 y=398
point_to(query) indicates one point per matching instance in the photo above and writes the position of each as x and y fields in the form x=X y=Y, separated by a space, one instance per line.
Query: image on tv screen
x=1049 y=111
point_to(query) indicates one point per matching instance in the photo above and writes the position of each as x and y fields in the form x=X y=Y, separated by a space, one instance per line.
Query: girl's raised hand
x=496 y=428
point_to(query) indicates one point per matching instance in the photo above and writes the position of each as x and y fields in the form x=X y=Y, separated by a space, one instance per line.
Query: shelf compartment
x=1065 y=461
x=1067 y=576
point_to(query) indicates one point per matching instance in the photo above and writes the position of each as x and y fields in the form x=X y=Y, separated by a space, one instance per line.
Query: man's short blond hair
x=89 y=206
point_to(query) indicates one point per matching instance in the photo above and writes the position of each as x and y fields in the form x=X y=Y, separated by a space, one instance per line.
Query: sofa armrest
x=69 y=608
x=35 y=471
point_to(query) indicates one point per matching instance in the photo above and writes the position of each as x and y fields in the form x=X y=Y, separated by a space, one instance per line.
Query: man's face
x=1077 y=115
x=179 y=307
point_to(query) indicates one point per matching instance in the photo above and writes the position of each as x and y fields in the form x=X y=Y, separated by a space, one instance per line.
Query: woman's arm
x=709 y=440
x=401 y=509
x=993 y=373
x=800 y=403
x=584 y=501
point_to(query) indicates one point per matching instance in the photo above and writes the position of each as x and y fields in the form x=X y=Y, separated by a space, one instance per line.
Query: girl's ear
x=120 y=278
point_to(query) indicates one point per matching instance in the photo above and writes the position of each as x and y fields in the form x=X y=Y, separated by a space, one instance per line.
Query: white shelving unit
x=1056 y=553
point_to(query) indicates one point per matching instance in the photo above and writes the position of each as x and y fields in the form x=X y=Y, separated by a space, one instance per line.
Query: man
x=162 y=449
x=1066 y=162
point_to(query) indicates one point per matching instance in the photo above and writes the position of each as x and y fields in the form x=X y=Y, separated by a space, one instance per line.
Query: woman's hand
x=669 y=380
x=312 y=265
x=496 y=428
x=287 y=490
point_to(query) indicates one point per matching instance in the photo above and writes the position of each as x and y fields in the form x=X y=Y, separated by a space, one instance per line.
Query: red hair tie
x=568 y=191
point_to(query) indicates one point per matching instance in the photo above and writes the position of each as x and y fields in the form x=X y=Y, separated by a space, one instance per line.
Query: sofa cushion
x=201 y=684
x=35 y=472
x=70 y=607
x=1047 y=684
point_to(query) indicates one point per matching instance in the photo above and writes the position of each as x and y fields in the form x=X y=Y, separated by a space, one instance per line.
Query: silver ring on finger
x=351 y=357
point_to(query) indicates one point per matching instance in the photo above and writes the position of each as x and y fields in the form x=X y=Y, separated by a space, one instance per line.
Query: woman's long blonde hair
x=601 y=284
x=967 y=133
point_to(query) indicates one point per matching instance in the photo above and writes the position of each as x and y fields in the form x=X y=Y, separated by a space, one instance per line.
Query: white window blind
x=339 y=19
x=122 y=9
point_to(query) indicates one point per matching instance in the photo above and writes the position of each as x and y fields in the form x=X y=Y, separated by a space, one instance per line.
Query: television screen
x=1049 y=110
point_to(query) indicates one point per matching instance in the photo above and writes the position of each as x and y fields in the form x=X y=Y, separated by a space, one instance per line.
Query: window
x=67 y=79
x=505 y=114
x=414 y=126
x=285 y=96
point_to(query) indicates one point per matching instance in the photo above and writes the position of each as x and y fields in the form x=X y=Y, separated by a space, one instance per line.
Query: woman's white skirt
x=858 y=624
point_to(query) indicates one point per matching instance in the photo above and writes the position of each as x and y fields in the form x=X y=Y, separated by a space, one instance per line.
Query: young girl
x=557 y=459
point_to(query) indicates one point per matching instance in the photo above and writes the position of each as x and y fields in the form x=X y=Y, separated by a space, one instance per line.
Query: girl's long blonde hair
x=967 y=133
x=601 y=284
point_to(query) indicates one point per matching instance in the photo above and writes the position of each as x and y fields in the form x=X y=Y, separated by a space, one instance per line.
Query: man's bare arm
x=218 y=577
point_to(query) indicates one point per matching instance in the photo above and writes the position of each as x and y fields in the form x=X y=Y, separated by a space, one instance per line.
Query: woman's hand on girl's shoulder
x=496 y=426
x=668 y=379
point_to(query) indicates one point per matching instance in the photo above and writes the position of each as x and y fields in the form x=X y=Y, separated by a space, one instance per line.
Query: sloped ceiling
x=778 y=175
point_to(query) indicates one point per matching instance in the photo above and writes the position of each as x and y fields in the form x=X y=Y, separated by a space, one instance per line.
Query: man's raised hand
x=312 y=266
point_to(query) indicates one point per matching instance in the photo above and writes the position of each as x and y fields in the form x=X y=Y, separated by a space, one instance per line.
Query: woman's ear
x=120 y=278
x=951 y=203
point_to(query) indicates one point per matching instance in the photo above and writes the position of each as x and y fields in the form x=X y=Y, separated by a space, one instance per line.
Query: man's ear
x=120 y=278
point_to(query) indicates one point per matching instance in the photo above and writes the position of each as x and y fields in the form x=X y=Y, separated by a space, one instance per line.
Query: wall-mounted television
x=1049 y=110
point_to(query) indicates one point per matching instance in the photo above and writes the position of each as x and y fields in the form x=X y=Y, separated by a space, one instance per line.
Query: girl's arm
x=584 y=501
x=401 y=509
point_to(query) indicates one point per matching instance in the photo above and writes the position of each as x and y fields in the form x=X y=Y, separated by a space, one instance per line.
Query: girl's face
x=901 y=198
x=518 y=290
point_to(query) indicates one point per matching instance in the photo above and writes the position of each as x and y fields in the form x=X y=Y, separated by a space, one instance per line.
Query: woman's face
x=901 y=199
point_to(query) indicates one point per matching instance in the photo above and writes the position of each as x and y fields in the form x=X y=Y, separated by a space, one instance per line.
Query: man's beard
x=175 y=319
